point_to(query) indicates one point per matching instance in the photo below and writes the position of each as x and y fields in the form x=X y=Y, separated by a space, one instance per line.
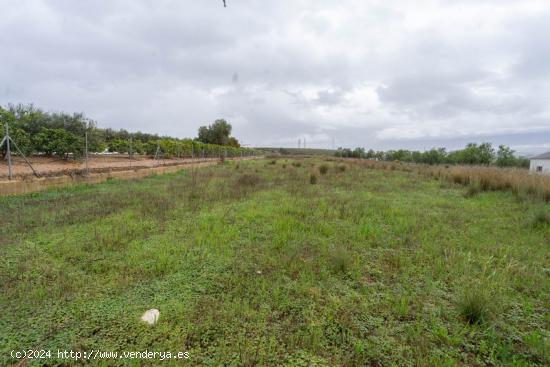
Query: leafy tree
x=434 y=156
x=63 y=134
x=476 y=154
x=17 y=133
x=505 y=157
x=398 y=155
x=216 y=133
x=233 y=142
x=59 y=142
x=119 y=146
x=370 y=154
x=358 y=152
x=379 y=155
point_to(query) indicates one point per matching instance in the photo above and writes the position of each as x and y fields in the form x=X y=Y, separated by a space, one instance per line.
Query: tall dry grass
x=519 y=181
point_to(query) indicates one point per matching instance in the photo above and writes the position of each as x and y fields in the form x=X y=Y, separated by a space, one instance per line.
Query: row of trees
x=63 y=135
x=473 y=154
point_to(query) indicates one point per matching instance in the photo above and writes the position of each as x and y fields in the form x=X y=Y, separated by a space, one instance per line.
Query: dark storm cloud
x=371 y=73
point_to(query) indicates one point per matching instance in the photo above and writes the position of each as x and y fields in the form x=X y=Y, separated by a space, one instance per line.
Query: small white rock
x=259 y=272
x=151 y=316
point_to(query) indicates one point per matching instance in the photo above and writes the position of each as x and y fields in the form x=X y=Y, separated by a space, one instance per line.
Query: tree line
x=471 y=154
x=62 y=134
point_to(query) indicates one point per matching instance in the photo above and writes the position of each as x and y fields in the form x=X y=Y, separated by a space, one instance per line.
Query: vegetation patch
x=323 y=169
x=256 y=267
x=475 y=305
x=313 y=179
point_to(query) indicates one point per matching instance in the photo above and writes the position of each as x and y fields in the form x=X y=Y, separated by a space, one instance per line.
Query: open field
x=304 y=262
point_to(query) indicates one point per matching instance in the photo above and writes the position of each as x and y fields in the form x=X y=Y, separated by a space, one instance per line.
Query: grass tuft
x=248 y=180
x=341 y=260
x=474 y=306
x=323 y=169
x=473 y=190
x=541 y=218
x=313 y=179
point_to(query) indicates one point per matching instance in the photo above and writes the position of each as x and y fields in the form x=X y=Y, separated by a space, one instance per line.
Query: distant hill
x=297 y=151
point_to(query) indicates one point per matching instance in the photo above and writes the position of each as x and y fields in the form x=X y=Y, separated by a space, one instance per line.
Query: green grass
x=250 y=264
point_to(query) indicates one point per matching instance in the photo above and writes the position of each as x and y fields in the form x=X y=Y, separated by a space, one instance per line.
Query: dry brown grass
x=517 y=180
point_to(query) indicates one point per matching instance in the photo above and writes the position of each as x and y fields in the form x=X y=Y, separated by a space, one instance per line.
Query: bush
x=341 y=168
x=472 y=191
x=313 y=179
x=541 y=218
x=323 y=169
x=248 y=180
x=341 y=261
x=474 y=306
x=297 y=164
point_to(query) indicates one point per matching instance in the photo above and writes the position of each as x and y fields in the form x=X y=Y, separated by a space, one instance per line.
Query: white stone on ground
x=151 y=316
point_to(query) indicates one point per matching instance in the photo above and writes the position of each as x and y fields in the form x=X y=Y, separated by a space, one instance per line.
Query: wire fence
x=166 y=153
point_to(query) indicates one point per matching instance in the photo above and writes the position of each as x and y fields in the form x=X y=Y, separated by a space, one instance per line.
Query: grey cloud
x=359 y=72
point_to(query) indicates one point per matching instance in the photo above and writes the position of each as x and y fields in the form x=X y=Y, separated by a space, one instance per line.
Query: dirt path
x=29 y=183
x=51 y=167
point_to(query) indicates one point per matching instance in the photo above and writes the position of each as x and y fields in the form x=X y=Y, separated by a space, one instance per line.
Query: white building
x=541 y=164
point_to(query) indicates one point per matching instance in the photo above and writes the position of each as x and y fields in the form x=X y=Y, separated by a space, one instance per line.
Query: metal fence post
x=86 y=152
x=8 y=151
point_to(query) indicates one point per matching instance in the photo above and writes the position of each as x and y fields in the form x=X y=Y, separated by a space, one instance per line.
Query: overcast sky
x=381 y=74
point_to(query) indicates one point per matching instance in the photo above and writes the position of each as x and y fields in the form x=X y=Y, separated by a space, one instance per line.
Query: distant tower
x=299 y=143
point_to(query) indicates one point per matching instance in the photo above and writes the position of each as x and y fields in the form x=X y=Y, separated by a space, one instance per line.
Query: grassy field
x=278 y=262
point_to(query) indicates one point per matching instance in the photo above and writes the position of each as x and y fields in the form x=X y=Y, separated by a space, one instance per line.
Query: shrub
x=541 y=218
x=313 y=179
x=323 y=169
x=248 y=180
x=474 y=306
x=341 y=168
x=472 y=190
x=341 y=261
x=297 y=164
x=273 y=162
